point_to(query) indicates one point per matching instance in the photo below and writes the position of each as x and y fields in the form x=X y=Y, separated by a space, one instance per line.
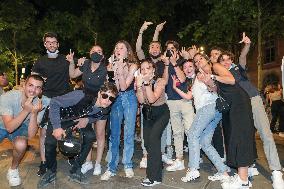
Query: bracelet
x=167 y=65
x=146 y=84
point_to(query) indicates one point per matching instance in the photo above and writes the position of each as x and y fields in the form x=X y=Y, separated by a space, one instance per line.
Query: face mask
x=52 y=54
x=96 y=57
x=155 y=57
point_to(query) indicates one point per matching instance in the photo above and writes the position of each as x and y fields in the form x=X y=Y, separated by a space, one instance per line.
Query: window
x=270 y=49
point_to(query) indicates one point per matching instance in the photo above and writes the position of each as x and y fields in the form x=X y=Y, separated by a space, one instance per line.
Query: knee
x=20 y=144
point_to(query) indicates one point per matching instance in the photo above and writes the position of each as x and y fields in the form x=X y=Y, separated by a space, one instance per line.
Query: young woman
x=93 y=72
x=151 y=93
x=125 y=106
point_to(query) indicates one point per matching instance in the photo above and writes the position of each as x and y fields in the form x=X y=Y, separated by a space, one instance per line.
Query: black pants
x=275 y=111
x=152 y=132
x=51 y=145
x=281 y=119
x=218 y=140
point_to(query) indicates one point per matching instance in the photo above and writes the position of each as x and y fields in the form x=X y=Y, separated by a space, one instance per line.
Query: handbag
x=221 y=104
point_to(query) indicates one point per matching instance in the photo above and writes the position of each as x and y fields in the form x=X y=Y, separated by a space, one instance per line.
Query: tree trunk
x=15 y=57
x=259 y=48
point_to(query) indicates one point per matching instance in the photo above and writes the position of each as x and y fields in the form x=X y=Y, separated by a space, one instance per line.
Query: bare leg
x=100 y=133
x=41 y=144
x=20 y=147
x=243 y=173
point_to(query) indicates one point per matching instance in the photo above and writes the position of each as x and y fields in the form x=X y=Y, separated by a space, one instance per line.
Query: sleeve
x=6 y=105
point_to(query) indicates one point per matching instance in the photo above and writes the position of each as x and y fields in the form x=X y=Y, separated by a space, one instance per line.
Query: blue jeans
x=200 y=135
x=125 y=106
x=22 y=131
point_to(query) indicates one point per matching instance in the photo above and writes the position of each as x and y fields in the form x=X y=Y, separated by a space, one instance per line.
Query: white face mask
x=52 y=54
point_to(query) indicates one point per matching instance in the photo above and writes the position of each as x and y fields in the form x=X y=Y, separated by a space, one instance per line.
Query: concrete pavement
x=29 y=166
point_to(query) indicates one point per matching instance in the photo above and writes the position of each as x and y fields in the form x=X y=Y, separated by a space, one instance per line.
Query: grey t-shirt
x=11 y=104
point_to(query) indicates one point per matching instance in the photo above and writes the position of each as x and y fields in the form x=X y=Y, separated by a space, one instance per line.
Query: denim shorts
x=20 y=131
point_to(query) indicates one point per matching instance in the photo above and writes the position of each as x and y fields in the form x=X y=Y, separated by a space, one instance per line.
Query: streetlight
x=202 y=49
x=23 y=72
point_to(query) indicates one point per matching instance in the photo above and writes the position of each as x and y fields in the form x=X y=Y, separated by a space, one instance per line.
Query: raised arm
x=139 y=51
x=157 y=31
x=245 y=50
x=73 y=72
x=187 y=95
x=153 y=96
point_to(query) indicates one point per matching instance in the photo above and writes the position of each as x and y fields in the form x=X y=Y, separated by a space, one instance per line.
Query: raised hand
x=160 y=26
x=81 y=61
x=70 y=56
x=184 y=53
x=28 y=105
x=245 y=39
x=165 y=59
x=37 y=107
x=145 y=26
x=139 y=80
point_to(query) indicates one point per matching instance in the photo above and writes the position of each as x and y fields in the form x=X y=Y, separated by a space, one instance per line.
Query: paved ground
x=31 y=161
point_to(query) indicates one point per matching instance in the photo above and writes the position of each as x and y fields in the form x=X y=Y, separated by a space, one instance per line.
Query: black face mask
x=96 y=57
x=155 y=57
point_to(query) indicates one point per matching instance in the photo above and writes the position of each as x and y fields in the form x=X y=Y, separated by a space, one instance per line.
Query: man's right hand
x=145 y=26
x=58 y=133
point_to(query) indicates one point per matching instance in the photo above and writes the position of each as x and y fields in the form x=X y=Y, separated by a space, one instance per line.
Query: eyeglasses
x=105 y=96
x=51 y=42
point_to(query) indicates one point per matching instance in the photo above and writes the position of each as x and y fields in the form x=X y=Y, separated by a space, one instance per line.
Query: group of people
x=177 y=91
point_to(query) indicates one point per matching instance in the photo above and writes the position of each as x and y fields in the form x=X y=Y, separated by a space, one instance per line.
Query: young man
x=54 y=68
x=261 y=121
x=21 y=111
x=85 y=109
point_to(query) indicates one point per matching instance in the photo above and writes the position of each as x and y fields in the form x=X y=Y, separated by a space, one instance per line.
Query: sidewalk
x=29 y=166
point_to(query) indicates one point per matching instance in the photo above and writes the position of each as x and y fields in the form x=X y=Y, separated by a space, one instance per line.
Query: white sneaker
x=143 y=163
x=87 y=166
x=150 y=183
x=277 y=180
x=107 y=175
x=252 y=171
x=236 y=183
x=97 y=169
x=13 y=177
x=129 y=173
x=167 y=160
x=190 y=175
x=218 y=176
x=176 y=166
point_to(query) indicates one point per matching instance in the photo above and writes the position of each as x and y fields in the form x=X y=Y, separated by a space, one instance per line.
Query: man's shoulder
x=13 y=94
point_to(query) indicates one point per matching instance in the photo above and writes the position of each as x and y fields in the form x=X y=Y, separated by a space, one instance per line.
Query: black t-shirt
x=93 y=80
x=56 y=70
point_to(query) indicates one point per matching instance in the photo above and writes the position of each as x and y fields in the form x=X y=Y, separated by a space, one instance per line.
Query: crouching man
x=21 y=111
x=82 y=110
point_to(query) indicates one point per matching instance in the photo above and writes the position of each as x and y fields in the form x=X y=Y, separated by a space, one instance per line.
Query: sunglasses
x=105 y=96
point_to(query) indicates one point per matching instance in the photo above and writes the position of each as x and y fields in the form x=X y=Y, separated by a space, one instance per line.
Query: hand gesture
x=174 y=57
x=147 y=78
x=82 y=123
x=58 y=133
x=28 y=105
x=203 y=76
x=165 y=59
x=145 y=26
x=184 y=53
x=245 y=39
x=70 y=56
x=160 y=26
x=38 y=107
x=81 y=61
x=193 y=51
x=139 y=80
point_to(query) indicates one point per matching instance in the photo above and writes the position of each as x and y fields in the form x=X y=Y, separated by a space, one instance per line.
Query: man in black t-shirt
x=54 y=68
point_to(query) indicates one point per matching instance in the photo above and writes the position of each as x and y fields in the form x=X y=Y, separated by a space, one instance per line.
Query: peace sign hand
x=69 y=57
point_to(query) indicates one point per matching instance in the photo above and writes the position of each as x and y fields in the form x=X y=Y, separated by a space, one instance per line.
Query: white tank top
x=201 y=95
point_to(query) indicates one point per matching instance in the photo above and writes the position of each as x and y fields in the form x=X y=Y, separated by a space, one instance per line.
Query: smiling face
x=214 y=54
x=33 y=87
x=120 y=50
x=147 y=68
x=200 y=61
x=155 y=49
x=51 y=44
x=188 y=68
x=105 y=99
x=226 y=61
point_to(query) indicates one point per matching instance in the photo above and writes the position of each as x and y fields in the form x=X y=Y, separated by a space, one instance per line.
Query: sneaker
x=150 y=183
x=176 y=166
x=146 y=180
x=218 y=176
x=252 y=171
x=46 y=179
x=97 y=169
x=190 y=175
x=236 y=183
x=129 y=173
x=167 y=160
x=87 y=166
x=107 y=175
x=143 y=163
x=42 y=169
x=281 y=134
x=13 y=177
x=78 y=177
x=277 y=180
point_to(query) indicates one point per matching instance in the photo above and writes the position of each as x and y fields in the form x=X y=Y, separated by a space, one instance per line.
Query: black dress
x=238 y=125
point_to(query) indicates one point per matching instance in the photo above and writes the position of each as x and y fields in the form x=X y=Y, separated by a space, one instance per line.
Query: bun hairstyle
x=228 y=53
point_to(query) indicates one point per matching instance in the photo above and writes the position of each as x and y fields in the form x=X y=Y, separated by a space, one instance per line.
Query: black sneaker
x=78 y=177
x=149 y=183
x=42 y=169
x=46 y=179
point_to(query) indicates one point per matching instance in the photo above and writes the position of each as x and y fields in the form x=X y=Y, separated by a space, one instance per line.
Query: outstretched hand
x=145 y=26
x=245 y=39
x=160 y=26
